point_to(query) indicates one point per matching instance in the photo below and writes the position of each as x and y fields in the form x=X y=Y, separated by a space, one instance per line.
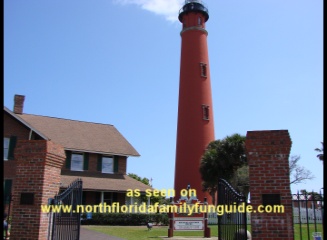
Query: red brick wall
x=268 y=159
x=19 y=104
x=38 y=171
x=122 y=165
x=121 y=198
x=11 y=127
x=93 y=159
x=9 y=168
x=90 y=198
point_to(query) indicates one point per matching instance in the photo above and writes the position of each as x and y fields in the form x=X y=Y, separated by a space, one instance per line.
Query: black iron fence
x=7 y=204
x=232 y=225
x=65 y=224
x=308 y=215
x=7 y=210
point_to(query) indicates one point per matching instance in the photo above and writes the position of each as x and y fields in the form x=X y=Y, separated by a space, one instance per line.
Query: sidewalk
x=86 y=234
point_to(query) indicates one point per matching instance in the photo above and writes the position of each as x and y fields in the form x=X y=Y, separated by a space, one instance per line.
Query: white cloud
x=168 y=8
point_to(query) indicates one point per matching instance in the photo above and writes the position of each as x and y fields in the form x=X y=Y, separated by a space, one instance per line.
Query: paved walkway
x=86 y=234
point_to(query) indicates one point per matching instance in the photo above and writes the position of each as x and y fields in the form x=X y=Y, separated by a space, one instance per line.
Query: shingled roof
x=82 y=136
x=119 y=183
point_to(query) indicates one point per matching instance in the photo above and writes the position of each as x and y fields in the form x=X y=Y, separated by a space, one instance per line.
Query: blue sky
x=117 y=62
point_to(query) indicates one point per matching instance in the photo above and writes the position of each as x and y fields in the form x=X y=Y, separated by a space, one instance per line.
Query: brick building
x=96 y=153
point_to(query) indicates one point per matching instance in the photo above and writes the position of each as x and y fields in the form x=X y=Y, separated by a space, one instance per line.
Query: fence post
x=39 y=162
x=171 y=221
x=206 y=229
x=268 y=159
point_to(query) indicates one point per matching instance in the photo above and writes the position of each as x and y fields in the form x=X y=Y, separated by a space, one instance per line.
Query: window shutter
x=68 y=159
x=84 y=198
x=99 y=165
x=86 y=161
x=12 y=145
x=114 y=197
x=116 y=164
x=98 y=197
x=7 y=190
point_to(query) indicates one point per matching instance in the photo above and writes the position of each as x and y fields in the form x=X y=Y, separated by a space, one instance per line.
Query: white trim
x=194 y=28
x=30 y=135
x=103 y=153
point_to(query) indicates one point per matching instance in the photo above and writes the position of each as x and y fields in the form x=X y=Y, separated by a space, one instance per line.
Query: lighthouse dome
x=193 y=6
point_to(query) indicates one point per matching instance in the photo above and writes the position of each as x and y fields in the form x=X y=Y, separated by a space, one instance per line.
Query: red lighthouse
x=195 y=126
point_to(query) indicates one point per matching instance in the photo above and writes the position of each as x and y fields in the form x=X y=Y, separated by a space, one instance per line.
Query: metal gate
x=232 y=223
x=65 y=220
x=308 y=214
x=7 y=210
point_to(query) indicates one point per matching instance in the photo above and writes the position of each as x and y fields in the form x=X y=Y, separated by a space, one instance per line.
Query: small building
x=95 y=152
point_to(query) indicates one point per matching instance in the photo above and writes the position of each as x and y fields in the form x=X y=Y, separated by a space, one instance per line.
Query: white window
x=6 y=142
x=107 y=165
x=205 y=112
x=203 y=69
x=199 y=21
x=77 y=162
x=107 y=198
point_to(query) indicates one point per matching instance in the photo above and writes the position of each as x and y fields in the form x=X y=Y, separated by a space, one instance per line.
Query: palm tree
x=221 y=160
x=321 y=152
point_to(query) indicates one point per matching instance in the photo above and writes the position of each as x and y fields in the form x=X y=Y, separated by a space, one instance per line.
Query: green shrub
x=125 y=219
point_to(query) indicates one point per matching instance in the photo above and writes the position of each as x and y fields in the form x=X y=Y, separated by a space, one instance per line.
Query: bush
x=125 y=219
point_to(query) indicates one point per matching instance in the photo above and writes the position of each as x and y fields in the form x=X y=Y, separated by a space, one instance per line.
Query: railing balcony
x=195 y=1
x=194 y=6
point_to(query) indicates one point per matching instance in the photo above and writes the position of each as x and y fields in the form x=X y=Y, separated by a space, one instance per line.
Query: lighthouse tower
x=195 y=126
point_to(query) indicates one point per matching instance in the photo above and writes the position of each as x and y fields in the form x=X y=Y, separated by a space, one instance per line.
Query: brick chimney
x=19 y=104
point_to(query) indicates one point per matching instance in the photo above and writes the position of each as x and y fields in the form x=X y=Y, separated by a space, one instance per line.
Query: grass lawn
x=141 y=232
x=304 y=232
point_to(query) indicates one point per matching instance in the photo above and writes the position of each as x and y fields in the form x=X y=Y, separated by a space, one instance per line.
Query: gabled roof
x=81 y=136
x=17 y=117
x=119 y=183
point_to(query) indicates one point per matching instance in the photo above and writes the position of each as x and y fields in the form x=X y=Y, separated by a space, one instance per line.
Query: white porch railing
x=213 y=218
x=314 y=215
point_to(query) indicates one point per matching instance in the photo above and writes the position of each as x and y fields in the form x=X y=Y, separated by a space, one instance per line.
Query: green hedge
x=125 y=219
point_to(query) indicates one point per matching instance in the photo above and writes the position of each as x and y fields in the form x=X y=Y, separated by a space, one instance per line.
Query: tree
x=210 y=168
x=321 y=152
x=226 y=159
x=146 y=181
x=221 y=160
x=298 y=174
x=242 y=180
x=315 y=196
